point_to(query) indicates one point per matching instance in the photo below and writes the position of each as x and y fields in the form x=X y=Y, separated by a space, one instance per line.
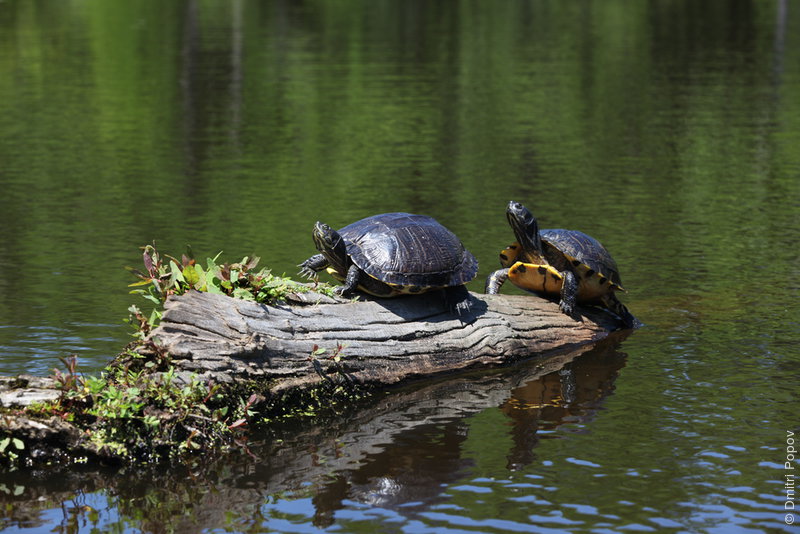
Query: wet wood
x=385 y=340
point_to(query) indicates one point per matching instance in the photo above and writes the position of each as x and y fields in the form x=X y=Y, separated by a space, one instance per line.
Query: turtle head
x=331 y=245
x=524 y=225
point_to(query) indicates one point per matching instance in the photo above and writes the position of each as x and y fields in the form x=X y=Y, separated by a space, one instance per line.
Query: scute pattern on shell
x=586 y=249
x=409 y=250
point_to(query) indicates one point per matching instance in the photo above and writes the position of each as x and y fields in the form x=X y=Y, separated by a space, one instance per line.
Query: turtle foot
x=458 y=300
x=462 y=308
x=568 y=309
x=342 y=291
x=307 y=272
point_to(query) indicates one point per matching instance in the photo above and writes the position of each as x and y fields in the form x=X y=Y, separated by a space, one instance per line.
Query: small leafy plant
x=136 y=412
x=142 y=407
x=165 y=276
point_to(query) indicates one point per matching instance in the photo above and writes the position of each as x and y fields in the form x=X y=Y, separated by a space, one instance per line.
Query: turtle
x=561 y=262
x=393 y=254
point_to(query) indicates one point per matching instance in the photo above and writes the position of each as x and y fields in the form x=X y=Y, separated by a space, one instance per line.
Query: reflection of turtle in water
x=559 y=262
x=392 y=254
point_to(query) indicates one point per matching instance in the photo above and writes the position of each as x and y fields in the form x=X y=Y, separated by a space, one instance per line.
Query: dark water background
x=669 y=130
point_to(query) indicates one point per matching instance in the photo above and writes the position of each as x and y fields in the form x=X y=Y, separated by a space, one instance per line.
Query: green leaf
x=176 y=275
x=4 y=443
x=244 y=294
x=154 y=318
x=214 y=286
x=95 y=385
x=191 y=275
x=151 y=420
x=18 y=444
x=151 y=298
x=202 y=279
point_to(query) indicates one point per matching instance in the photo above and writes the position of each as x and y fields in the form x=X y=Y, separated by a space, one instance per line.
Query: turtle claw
x=457 y=300
x=312 y=265
x=567 y=308
x=463 y=308
x=341 y=291
x=307 y=272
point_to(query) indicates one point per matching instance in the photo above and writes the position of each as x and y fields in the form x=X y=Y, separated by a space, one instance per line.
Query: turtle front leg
x=495 y=280
x=312 y=266
x=569 y=293
x=350 y=282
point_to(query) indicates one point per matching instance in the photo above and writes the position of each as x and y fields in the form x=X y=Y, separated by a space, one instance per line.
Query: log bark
x=385 y=340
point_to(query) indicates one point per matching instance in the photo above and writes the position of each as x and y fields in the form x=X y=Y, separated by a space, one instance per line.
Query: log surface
x=385 y=340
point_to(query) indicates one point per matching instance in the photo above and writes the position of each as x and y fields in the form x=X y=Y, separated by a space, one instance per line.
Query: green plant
x=141 y=407
x=165 y=276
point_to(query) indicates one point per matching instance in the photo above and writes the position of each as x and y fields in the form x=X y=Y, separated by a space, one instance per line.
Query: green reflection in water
x=668 y=130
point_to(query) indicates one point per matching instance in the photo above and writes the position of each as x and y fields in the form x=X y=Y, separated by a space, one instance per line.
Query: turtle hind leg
x=495 y=280
x=612 y=303
x=569 y=293
x=313 y=265
x=457 y=300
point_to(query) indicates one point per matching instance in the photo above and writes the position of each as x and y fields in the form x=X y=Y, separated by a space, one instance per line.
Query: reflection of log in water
x=409 y=445
x=395 y=450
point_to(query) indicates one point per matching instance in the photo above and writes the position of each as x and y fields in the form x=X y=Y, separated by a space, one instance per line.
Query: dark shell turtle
x=392 y=254
x=567 y=263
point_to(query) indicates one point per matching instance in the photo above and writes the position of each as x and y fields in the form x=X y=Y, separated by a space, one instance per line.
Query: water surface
x=667 y=130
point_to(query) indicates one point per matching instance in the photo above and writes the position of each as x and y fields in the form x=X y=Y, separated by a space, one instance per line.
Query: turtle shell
x=588 y=257
x=409 y=251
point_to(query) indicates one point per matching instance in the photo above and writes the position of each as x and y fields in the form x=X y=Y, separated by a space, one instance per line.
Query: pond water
x=669 y=130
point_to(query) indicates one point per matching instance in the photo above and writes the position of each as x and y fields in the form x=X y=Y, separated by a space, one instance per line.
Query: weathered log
x=385 y=340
